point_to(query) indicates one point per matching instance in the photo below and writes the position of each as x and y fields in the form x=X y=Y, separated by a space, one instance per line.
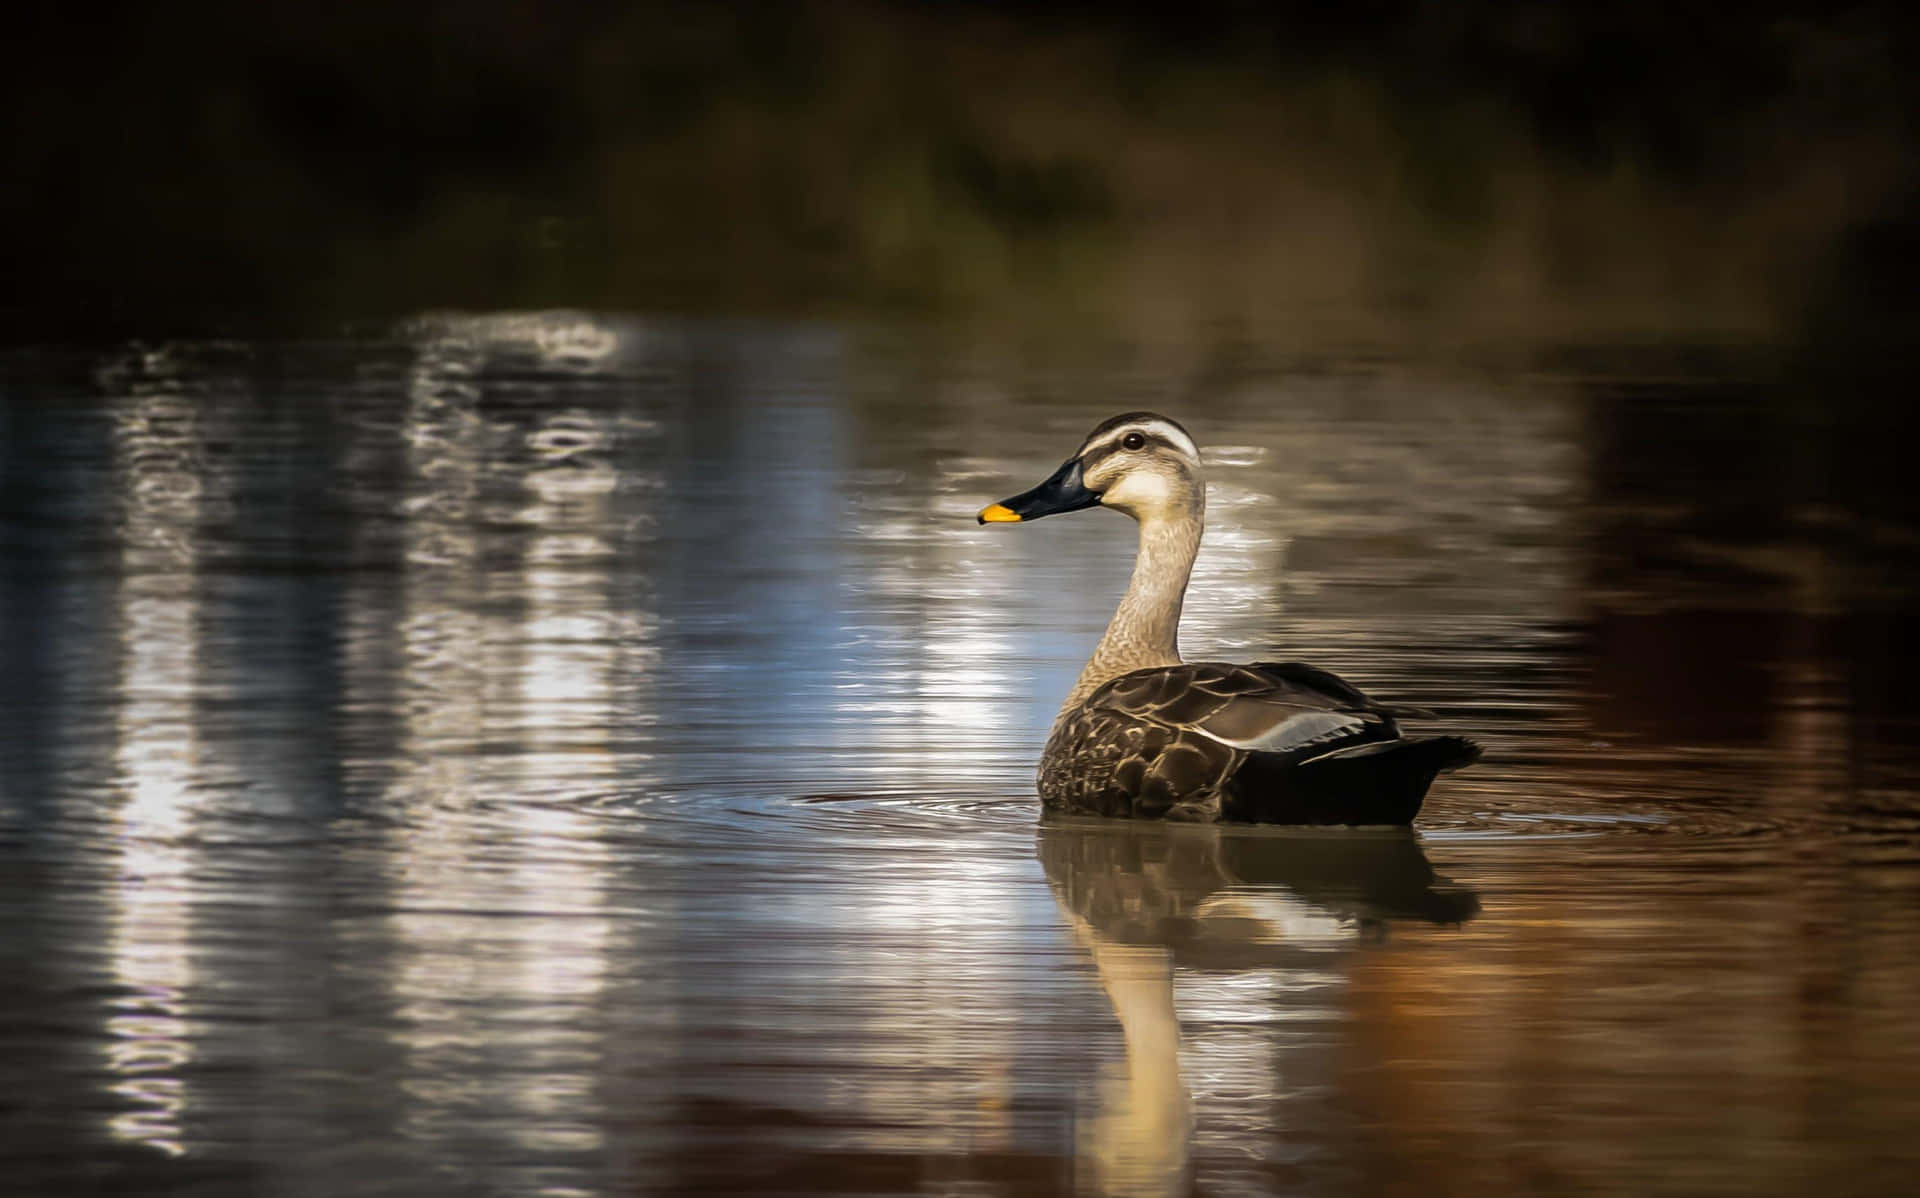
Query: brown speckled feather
x=1271 y=742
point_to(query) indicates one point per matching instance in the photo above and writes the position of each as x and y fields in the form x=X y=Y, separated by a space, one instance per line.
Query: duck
x=1144 y=734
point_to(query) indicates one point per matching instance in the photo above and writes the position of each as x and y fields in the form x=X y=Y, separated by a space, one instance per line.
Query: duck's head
x=1140 y=463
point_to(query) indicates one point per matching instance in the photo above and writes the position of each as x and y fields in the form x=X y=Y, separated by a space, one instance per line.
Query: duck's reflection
x=1152 y=901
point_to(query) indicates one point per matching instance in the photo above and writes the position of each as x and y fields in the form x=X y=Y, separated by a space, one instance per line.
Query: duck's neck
x=1145 y=630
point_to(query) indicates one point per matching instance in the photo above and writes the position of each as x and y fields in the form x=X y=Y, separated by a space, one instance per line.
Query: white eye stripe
x=1174 y=435
x=1157 y=429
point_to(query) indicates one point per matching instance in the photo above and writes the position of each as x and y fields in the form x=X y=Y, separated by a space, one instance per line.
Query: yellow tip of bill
x=995 y=513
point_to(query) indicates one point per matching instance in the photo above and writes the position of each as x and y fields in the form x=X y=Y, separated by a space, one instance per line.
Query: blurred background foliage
x=1291 y=169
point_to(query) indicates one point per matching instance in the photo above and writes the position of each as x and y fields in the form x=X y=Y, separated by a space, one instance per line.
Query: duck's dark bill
x=1063 y=492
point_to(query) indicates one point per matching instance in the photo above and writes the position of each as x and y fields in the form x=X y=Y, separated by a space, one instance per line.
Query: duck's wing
x=1281 y=708
x=1266 y=743
x=1316 y=681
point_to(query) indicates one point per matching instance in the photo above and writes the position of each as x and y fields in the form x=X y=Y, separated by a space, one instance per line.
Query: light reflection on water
x=545 y=754
x=150 y=933
x=530 y=935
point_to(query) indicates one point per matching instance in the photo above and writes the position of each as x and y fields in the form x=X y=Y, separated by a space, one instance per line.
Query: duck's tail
x=1379 y=783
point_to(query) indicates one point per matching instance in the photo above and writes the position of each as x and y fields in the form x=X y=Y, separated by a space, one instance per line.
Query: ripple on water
x=1491 y=816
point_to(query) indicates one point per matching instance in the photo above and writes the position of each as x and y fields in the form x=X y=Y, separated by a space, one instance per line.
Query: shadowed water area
x=557 y=754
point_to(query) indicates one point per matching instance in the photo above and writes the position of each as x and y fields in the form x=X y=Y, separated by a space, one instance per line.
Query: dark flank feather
x=1265 y=743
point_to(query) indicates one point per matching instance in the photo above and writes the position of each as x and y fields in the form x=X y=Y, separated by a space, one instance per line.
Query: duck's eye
x=1133 y=441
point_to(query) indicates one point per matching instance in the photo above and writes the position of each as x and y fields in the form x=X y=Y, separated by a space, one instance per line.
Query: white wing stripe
x=1296 y=732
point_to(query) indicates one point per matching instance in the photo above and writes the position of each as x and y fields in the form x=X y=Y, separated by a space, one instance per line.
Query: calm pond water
x=570 y=756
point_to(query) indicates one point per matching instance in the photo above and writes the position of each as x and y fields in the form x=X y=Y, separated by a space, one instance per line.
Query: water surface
x=552 y=754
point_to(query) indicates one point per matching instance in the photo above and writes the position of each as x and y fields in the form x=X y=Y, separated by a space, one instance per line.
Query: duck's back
x=1266 y=743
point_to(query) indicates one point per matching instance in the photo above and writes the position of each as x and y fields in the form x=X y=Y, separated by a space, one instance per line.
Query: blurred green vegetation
x=1469 y=169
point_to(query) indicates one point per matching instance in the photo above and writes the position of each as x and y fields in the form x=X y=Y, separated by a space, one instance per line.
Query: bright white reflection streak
x=940 y=937
x=150 y=921
x=482 y=843
x=442 y=695
x=566 y=708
